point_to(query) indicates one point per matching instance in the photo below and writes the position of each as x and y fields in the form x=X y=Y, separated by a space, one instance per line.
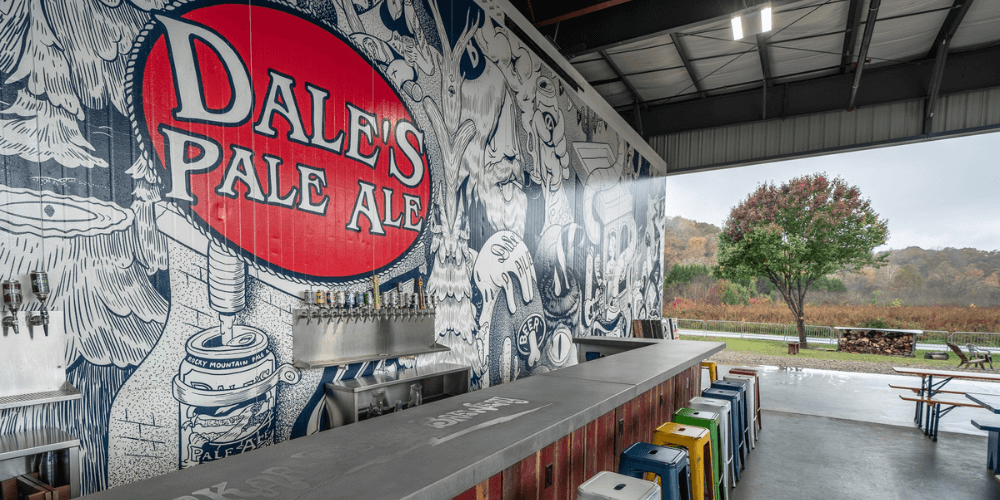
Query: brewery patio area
x=841 y=435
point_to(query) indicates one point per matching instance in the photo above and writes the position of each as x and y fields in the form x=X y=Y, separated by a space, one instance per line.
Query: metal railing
x=933 y=337
x=979 y=339
x=822 y=334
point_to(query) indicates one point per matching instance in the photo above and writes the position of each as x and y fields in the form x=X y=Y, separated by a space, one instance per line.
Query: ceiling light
x=752 y=21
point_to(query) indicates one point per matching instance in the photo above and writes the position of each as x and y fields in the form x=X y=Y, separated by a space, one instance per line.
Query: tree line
x=912 y=276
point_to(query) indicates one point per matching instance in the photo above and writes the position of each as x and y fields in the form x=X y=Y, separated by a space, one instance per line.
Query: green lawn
x=818 y=351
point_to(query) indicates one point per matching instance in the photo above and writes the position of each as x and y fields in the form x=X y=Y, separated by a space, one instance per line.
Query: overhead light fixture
x=737 y=28
x=752 y=21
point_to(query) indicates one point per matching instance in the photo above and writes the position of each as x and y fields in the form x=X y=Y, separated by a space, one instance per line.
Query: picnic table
x=992 y=403
x=928 y=409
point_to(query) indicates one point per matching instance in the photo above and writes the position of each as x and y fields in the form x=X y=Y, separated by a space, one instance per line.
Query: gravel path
x=749 y=358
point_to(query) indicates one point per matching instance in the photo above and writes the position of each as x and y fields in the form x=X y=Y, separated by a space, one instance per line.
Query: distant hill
x=689 y=242
x=914 y=276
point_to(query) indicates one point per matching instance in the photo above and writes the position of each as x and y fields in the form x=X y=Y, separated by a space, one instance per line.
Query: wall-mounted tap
x=12 y=299
x=40 y=287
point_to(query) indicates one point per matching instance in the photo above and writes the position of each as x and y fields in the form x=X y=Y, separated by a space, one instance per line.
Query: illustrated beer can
x=227 y=394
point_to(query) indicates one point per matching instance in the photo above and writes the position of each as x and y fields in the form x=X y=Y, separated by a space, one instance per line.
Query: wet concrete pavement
x=865 y=397
x=841 y=435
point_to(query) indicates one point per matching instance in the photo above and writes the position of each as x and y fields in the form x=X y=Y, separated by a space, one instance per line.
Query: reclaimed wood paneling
x=592 y=448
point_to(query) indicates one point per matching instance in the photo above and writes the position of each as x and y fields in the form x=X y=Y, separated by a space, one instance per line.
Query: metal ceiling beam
x=641 y=19
x=636 y=98
x=966 y=71
x=940 y=50
x=580 y=12
x=765 y=63
x=866 y=40
x=854 y=13
x=687 y=64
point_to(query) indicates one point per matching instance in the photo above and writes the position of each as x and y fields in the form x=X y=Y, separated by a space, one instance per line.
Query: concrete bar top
x=437 y=450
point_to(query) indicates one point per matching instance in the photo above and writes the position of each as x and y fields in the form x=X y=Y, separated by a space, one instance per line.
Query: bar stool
x=698 y=442
x=740 y=387
x=748 y=401
x=713 y=370
x=755 y=373
x=610 y=486
x=712 y=421
x=738 y=434
x=670 y=466
x=726 y=456
x=753 y=401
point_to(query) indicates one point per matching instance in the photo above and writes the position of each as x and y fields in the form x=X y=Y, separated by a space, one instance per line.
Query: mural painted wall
x=186 y=170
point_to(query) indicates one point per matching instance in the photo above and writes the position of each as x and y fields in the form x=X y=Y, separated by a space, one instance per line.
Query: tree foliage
x=798 y=233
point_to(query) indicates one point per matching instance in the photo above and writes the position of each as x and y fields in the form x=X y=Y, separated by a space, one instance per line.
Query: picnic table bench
x=928 y=408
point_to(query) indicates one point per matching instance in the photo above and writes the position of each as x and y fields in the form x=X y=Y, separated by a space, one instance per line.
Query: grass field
x=950 y=319
x=775 y=348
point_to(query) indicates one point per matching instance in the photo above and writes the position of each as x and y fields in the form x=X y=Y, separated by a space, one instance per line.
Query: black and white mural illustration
x=183 y=192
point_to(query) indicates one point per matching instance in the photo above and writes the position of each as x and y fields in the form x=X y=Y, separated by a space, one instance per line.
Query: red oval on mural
x=294 y=150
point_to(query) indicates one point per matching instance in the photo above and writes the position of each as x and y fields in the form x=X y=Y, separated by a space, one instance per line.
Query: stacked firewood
x=877 y=342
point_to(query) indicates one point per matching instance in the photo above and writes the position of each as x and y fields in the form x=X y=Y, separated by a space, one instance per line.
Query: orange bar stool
x=698 y=442
x=713 y=370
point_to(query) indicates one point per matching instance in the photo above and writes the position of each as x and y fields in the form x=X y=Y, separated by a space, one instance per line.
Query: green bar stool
x=711 y=421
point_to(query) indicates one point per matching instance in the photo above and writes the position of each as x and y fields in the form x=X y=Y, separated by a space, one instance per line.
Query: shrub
x=682 y=273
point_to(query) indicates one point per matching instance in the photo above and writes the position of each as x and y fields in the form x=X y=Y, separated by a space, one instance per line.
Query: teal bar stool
x=670 y=465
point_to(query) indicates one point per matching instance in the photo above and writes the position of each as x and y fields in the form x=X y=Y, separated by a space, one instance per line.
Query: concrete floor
x=838 y=435
x=804 y=457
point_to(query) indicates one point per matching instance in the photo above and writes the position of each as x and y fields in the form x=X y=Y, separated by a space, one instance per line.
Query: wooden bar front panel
x=592 y=448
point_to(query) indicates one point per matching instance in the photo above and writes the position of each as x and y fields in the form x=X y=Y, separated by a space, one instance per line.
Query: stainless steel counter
x=435 y=450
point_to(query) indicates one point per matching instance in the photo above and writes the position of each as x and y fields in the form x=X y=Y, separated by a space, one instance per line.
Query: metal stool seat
x=670 y=466
x=738 y=434
x=607 y=485
x=698 y=442
x=726 y=455
x=740 y=387
x=712 y=421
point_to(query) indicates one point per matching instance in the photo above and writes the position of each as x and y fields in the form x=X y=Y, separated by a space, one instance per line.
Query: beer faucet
x=40 y=287
x=12 y=299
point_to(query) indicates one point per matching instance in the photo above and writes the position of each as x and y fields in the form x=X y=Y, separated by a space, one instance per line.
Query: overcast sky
x=936 y=194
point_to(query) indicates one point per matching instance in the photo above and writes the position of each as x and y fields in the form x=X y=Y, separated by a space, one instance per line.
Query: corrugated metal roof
x=807 y=41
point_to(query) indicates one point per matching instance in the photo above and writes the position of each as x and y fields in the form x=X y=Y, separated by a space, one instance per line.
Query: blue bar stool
x=739 y=430
x=607 y=485
x=741 y=388
x=671 y=465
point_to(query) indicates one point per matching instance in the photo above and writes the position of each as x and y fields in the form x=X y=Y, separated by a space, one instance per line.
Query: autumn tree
x=797 y=233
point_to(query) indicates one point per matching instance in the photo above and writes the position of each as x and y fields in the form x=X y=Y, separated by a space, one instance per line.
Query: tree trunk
x=800 y=325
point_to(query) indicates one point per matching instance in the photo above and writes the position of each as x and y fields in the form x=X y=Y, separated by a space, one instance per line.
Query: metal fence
x=979 y=339
x=933 y=337
x=820 y=334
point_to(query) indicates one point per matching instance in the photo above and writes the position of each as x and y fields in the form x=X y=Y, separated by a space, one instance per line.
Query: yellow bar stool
x=698 y=442
x=713 y=370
